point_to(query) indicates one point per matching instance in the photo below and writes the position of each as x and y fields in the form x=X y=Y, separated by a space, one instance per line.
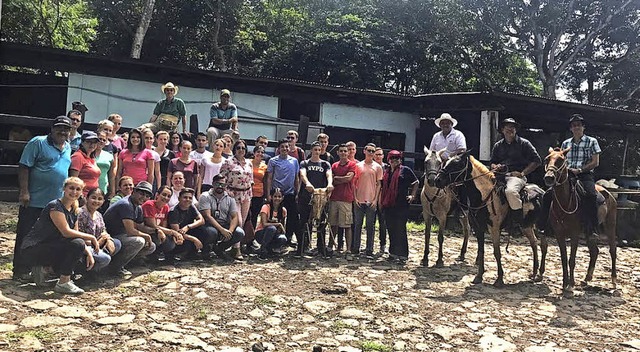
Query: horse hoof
x=460 y=259
x=537 y=278
x=477 y=280
x=424 y=262
x=584 y=283
x=588 y=278
x=498 y=284
x=439 y=264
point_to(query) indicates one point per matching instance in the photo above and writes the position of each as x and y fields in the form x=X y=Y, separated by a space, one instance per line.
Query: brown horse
x=488 y=210
x=438 y=202
x=565 y=218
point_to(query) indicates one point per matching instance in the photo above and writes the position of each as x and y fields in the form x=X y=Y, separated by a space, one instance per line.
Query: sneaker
x=369 y=254
x=124 y=274
x=68 y=288
x=401 y=261
x=384 y=250
x=263 y=256
x=255 y=245
x=297 y=255
x=348 y=256
x=236 y=254
x=38 y=276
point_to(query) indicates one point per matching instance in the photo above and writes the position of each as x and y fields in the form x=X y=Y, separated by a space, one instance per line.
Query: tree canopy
x=590 y=48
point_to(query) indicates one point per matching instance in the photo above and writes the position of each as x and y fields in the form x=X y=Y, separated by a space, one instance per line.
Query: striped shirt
x=581 y=152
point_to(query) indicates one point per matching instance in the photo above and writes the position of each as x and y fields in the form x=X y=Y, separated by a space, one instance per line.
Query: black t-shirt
x=119 y=211
x=316 y=174
x=111 y=148
x=183 y=217
x=165 y=159
x=326 y=157
x=44 y=230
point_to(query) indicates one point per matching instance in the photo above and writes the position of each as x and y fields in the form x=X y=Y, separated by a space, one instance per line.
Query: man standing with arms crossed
x=340 y=209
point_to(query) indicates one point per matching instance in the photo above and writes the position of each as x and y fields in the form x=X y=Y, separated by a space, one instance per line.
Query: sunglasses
x=219 y=184
x=291 y=137
x=102 y=140
x=394 y=158
x=371 y=150
x=241 y=148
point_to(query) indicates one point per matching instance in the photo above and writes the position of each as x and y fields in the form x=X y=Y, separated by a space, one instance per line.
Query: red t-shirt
x=88 y=170
x=150 y=210
x=344 y=191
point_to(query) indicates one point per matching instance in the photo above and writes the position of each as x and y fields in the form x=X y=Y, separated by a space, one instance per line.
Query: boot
x=236 y=254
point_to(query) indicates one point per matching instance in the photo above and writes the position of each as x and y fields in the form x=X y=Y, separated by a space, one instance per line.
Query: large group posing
x=93 y=202
x=96 y=202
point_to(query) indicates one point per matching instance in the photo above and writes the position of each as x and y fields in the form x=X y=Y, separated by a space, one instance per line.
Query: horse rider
x=515 y=157
x=448 y=138
x=582 y=159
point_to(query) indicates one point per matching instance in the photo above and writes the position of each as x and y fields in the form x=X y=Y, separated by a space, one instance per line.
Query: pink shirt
x=135 y=164
x=368 y=175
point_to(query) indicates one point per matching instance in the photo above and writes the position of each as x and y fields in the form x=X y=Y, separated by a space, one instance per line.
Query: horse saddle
x=167 y=122
x=528 y=193
x=582 y=192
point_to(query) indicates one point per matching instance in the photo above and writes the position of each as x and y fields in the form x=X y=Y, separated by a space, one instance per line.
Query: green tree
x=66 y=24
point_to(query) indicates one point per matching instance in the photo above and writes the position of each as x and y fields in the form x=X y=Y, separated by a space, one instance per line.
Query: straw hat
x=170 y=86
x=446 y=116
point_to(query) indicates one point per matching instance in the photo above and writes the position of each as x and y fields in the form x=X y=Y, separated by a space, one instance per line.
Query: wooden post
x=624 y=154
x=303 y=131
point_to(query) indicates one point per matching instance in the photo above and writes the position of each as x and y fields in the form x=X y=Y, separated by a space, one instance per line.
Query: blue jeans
x=269 y=238
x=362 y=210
x=236 y=236
x=102 y=258
x=382 y=225
x=205 y=234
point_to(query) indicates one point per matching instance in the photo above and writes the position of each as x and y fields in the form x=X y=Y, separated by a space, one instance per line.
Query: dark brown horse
x=488 y=210
x=439 y=203
x=565 y=218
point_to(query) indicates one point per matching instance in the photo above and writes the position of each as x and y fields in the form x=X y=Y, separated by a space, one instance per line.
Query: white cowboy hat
x=169 y=85
x=446 y=116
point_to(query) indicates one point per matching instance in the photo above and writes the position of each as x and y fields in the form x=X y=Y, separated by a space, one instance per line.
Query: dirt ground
x=361 y=305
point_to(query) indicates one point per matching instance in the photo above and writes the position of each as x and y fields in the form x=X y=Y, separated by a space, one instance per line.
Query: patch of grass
x=415 y=226
x=9 y=225
x=8 y=266
x=202 y=313
x=40 y=334
x=151 y=278
x=264 y=301
x=339 y=325
x=123 y=291
x=371 y=346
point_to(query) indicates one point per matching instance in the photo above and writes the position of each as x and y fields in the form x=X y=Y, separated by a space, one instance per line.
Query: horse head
x=454 y=170
x=556 y=167
x=432 y=164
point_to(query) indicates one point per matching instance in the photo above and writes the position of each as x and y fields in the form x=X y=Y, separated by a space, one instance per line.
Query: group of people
x=93 y=202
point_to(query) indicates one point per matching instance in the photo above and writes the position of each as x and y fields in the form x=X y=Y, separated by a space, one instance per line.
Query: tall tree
x=141 y=30
x=554 y=34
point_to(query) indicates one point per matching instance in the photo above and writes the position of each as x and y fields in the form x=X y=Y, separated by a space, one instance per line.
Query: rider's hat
x=576 y=117
x=446 y=116
x=509 y=120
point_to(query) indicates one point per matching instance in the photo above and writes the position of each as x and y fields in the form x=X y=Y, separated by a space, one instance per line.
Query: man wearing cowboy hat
x=168 y=112
x=224 y=117
x=450 y=139
x=515 y=158
x=583 y=157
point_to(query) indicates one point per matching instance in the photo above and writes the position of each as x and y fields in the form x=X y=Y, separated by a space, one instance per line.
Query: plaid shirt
x=581 y=152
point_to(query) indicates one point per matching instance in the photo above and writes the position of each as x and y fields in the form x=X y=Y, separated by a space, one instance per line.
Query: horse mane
x=480 y=167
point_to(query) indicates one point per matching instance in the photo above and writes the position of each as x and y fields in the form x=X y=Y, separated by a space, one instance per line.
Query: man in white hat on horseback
x=448 y=138
x=515 y=158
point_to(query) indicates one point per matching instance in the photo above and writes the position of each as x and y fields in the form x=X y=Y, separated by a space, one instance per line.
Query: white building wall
x=135 y=100
x=371 y=119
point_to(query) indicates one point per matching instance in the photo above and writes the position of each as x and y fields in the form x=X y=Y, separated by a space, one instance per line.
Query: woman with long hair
x=90 y=221
x=187 y=166
x=175 y=142
x=83 y=162
x=259 y=172
x=397 y=181
x=136 y=161
x=54 y=241
x=149 y=138
x=239 y=174
x=166 y=155
x=211 y=166
x=270 y=231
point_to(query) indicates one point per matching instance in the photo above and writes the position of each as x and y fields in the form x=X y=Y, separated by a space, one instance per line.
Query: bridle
x=573 y=194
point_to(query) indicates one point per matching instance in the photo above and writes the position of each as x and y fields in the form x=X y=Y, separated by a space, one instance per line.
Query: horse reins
x=561 y=171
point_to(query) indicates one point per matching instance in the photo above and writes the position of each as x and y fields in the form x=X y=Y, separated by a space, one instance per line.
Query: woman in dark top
x=162 y=141
x=397 y=181
x=55 y=240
